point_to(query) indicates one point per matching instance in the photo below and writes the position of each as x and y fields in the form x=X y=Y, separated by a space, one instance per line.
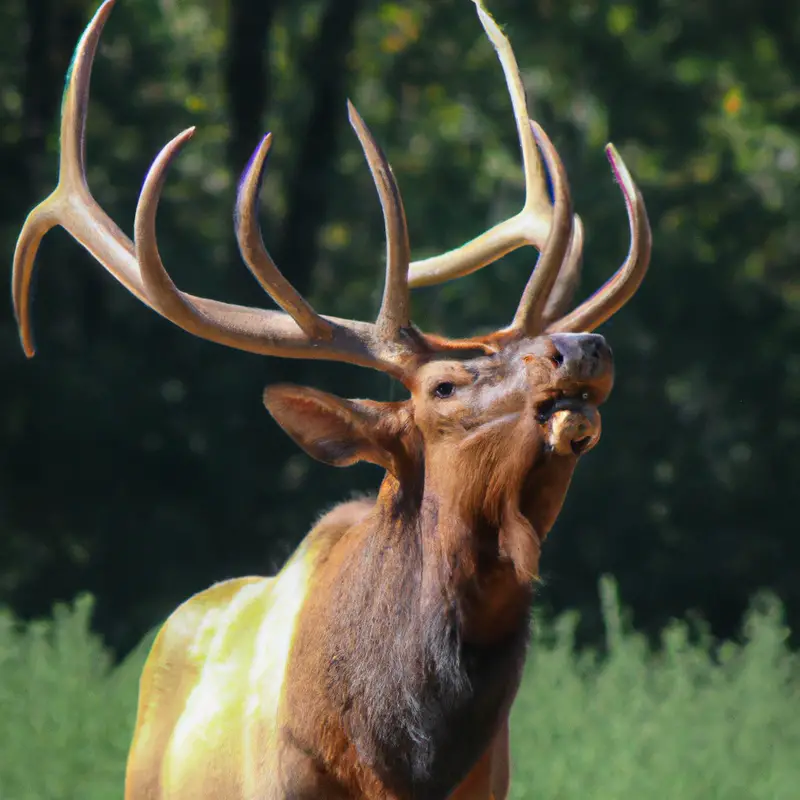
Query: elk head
x=496 y=423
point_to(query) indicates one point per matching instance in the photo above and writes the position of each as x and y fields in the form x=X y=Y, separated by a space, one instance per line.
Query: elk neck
x=411 y=693
x=421 y=623
x=482 y=516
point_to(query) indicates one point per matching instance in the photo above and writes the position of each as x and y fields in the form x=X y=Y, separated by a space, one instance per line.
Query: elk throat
x=420 y=700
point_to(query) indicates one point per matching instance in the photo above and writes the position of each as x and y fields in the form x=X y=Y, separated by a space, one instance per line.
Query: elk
x=383 y=658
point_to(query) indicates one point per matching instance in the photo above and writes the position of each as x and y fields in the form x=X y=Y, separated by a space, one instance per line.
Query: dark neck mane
x=420 y=684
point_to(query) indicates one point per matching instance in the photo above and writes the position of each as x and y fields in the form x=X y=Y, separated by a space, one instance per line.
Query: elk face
x=548 y=387
x=502 y=433
x=488 y=436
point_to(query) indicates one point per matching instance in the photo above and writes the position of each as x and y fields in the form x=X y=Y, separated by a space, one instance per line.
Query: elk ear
x=336 y=431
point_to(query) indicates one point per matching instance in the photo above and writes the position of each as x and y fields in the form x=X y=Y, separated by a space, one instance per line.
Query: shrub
x=67 y=712
x=682 y=722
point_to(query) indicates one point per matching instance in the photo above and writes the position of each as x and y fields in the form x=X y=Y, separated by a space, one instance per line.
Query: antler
x=543 y=226
x=391 y=344
x=300 y=332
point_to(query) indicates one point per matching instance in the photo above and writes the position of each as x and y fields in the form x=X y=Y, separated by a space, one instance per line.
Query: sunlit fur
x=383 y=659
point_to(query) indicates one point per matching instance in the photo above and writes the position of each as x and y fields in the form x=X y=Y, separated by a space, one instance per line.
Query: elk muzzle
x=582 y=378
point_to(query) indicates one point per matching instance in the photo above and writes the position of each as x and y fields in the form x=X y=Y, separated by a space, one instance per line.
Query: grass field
x=679 y=722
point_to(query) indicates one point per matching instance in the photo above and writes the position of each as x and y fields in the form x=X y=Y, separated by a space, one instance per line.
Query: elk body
x=383 y=659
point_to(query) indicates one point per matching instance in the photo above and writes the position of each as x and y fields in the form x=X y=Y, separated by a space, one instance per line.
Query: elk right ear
x=337 y=431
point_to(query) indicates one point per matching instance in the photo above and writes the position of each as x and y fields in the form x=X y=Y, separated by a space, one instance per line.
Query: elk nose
x=584 y=357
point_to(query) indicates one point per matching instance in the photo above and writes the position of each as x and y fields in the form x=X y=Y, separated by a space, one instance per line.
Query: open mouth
x=571 y=425
x=579 y=445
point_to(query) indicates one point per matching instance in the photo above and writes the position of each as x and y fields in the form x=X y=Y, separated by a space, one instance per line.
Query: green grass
x=631 y=724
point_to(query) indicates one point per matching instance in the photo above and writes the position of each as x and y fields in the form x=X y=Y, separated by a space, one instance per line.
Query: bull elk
x=383 y=659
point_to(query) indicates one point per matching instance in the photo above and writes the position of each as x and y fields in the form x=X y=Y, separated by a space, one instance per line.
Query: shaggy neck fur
x=421 y=698
x=424 y=626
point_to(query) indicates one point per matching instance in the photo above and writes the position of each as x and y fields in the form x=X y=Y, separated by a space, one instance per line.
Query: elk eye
x=444 y=389
x=584 y=395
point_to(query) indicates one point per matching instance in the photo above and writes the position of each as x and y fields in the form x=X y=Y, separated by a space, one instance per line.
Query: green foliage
x=67 y=713
x=687 y=720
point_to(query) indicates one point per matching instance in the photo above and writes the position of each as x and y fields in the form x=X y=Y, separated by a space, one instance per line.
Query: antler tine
x=537 y=202
x=174 y=304
x=365 y=347
x=624 y=283
x=528 y=319
x=563 y=291
x=531 y=226
x=255 y=255
x=394 y=310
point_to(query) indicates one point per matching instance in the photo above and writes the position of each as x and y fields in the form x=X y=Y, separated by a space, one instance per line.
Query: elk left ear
x=337 y=431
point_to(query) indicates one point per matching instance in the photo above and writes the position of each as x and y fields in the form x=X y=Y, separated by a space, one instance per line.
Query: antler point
x=621 y=172
x=355 y=118
x=101 y=15
x=26 y=339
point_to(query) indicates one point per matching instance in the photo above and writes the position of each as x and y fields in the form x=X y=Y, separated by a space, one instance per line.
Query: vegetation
x=689 y=721
x=686 y=721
